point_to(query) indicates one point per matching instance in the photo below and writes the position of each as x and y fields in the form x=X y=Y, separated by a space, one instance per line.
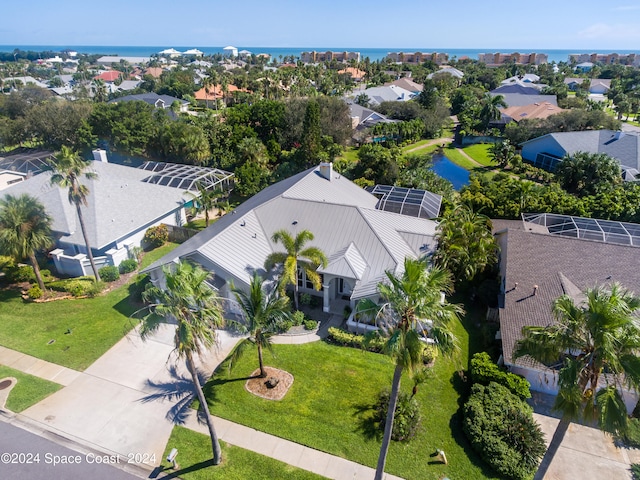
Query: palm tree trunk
x=295 y=294
x=86 y=242
x=388 y=426
x=36 y=269
x=215 y=444
x=549 y=455
x=263 y=373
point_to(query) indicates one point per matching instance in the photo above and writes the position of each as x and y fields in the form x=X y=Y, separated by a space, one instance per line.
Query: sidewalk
x=36 y=367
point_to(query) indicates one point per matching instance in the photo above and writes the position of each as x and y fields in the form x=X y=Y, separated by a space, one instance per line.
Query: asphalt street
x=26 y=456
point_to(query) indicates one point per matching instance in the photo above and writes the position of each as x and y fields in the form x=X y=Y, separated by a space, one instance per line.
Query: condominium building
x=606 y=58
x=518 y=58
x=418 y=57
x=315 y=57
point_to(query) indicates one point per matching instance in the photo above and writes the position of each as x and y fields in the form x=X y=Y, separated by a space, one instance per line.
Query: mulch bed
x=258 y=385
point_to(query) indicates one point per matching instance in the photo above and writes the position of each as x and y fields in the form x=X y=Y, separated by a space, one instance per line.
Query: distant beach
x=277 y=52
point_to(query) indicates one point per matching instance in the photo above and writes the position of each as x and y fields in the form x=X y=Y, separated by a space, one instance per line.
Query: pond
x=448 y=170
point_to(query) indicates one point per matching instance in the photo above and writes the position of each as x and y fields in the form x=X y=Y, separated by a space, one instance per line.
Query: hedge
x=485 y=371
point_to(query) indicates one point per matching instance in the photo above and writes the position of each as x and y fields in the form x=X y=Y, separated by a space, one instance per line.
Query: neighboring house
x=109 y=76
x=584 y=67
x=28 y=80
x=123 y=202
x=355 y=73
x=391 y=93
x=127 y=85
x=531 y=111
x=215 y=92
x=547 y=151
x=520 y=100
x=518 y=87
x=152 y=98
x=516 y=57
x=111 y=59
x=597 y=86
x=155 y=72
x=360 y=240
x=407 y=84
x=362 y=117
x=526 y=78
x=454 y=72
x=546 y=256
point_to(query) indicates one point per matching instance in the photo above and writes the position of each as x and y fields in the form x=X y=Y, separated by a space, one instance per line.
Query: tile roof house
x=407 y=84
x=390 y=93
x=547 y=256
x=355 y=73
x=121 y=206
x=360 y=240
x=449 y=70
x=534 y=110
x=108 y=76
x=547 y=151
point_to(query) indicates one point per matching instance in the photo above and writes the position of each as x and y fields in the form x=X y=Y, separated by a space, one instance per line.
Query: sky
x=544 y=24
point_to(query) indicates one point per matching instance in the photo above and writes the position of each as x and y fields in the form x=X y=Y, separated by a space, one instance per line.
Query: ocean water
x=277 y=52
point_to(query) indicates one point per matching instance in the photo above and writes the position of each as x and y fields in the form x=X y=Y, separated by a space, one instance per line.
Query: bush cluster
x=340 y=337
x=128 y=266
x=109 y=273
x=484 y=371
x=406 y=418
x=35 y=292
x=78 y=287
x=156 y=236
x=501 y=428
x=310 y=324
x=24 y=273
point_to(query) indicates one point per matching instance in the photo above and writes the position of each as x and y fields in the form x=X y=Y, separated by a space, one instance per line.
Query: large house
x=360 y=233
x=547 y=151
x=545 y=256
x=152 y=98
x=123 y=202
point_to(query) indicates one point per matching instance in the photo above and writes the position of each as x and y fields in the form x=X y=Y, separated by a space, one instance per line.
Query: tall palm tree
x=466 y=245
x=195 y=307
x=25 y=227
x=413 y=295
x=206 y=200
x=491 y=108
x=296 y=257
x=263 y=310
x=597 y=341
x=67 y=168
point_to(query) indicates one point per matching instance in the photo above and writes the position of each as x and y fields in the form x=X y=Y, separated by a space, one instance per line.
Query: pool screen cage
x=187 y=177
x=29 y=162
x=587 y=228
x=407 y=201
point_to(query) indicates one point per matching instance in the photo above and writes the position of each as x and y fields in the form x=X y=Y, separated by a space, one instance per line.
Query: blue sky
x=544 y=24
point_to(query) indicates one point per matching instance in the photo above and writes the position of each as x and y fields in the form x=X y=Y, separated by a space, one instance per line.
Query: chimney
x=515 y=287
x=326 y=170
x=100 y=155
x=535 y=289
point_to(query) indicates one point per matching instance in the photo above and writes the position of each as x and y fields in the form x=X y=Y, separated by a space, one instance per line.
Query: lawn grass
x=329 y=407
x=156 y=254
x=480 y=153
x=459 y=159
x=96 y=324
x=28 y=391
x=194 y=450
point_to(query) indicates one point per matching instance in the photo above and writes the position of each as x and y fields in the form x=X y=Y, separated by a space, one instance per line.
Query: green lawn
x=480 y=153
x=28 y=391
x=156 y=254
x=459 y=159
x=194 y=451
x=96 y=324
x=329 y=407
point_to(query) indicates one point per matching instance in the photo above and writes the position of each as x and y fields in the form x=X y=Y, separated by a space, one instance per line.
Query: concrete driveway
x=107 y=405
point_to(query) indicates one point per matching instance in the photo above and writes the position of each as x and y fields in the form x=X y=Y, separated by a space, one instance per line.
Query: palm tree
x=409 y=297
x=67 y=168
x=594 y=339
x=466 y=245
x=195 y=307
x=296 y=257
x=263 y=310
x=25 y=227
x=491 y=108
x=206 y=200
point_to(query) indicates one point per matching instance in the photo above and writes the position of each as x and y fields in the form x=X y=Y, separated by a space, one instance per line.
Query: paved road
x=20 y=446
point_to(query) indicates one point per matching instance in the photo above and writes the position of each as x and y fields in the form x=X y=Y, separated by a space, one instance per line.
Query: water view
x=448 y=170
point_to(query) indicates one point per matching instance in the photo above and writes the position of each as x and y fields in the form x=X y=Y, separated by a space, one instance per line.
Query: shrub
x=346 y=339
x=305 y=299
x=78 y=288
x=346 y=311
x=285 y=325
x=128 y=266
x=156 y=236
x=95 y=288
x=406 y=418
x=22 y=273
x=298 y=318
x=109 y=273
x=484 y=371
x=34 y=292
x=501 y=428
x=429 y=354
x=631 y=437
x=310 y=324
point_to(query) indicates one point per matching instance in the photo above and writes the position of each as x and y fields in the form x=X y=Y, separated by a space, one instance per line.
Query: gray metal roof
x=359 y=240
x=408 y=201
x=520 y=100
x=119 y=203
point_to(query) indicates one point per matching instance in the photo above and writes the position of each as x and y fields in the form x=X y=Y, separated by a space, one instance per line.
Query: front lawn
x=194 y=453
x=329 y=407
x=28 y=391
x=73 y=333
x=480 y=153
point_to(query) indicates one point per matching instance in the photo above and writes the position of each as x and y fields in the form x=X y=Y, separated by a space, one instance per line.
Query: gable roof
x=119 y=203
x=454 y=72
x=557 y=265
x=390 y=93
x=108 y=76
x=623 y=146
x=367 y=117
x=360 y=241
x=519 y=87
x=519 y=100
x=534 y=110
x=527 y=78
x=407 y=84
